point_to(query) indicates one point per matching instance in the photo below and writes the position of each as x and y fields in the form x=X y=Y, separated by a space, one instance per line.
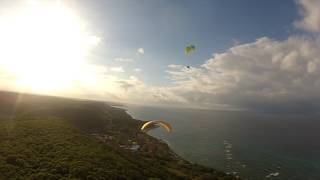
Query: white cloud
x=130 y=83
x=140 y=51
x=94 y=40
x=137 y=70
x=310 y=11
x=124 y=59
x=117 y=69
x=264 y=74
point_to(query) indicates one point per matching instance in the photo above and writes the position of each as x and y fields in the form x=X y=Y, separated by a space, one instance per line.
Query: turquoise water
x=251 y=145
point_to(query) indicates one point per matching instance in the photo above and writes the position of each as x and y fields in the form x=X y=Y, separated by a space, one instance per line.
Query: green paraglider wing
x=189 y=49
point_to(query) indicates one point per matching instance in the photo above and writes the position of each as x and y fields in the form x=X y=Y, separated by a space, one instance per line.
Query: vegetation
x=45 y=137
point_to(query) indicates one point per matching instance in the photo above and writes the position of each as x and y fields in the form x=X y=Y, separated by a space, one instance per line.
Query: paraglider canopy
x=154 y=123
x=189 y=49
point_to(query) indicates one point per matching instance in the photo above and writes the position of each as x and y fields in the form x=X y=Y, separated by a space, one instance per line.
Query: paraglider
x=189 y=49
x=155 y=123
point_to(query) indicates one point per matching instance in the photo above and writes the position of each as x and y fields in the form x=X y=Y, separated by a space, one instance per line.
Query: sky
x=250 y=55
x=164 y=28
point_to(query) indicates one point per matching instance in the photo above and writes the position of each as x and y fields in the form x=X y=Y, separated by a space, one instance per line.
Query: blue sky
x=164 y=28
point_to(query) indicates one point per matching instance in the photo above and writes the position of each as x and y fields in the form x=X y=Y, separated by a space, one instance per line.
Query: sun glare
x=44 y=45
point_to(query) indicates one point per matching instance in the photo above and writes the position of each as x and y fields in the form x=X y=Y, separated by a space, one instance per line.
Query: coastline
x=126 y=110
x=173 y=150
x=66 y=129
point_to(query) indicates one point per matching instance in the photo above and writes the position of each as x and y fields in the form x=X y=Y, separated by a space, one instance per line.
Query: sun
x=44 y=45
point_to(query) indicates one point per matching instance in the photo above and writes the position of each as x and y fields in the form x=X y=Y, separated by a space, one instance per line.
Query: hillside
x=45 y=137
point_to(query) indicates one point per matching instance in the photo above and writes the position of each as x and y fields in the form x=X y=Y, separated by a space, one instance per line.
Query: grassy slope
x=50 y=138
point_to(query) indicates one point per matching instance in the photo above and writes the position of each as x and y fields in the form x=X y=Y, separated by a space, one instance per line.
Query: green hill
x=44 y=137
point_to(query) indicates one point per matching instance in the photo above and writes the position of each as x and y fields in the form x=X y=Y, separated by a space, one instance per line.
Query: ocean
x=251 y=145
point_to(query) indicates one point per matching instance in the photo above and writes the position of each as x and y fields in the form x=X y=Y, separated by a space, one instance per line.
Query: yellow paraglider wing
x=148 y=125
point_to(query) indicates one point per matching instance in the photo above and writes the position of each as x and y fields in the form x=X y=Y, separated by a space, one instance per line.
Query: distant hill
x=44 y=137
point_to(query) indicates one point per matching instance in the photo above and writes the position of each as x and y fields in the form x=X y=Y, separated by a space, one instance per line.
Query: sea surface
x=248 y=144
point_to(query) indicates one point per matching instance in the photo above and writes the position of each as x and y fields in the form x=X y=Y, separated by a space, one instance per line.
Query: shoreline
x=66 y=129
x=125 y=109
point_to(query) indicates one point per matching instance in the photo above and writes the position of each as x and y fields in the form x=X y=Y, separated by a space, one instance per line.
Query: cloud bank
x=265 y=74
